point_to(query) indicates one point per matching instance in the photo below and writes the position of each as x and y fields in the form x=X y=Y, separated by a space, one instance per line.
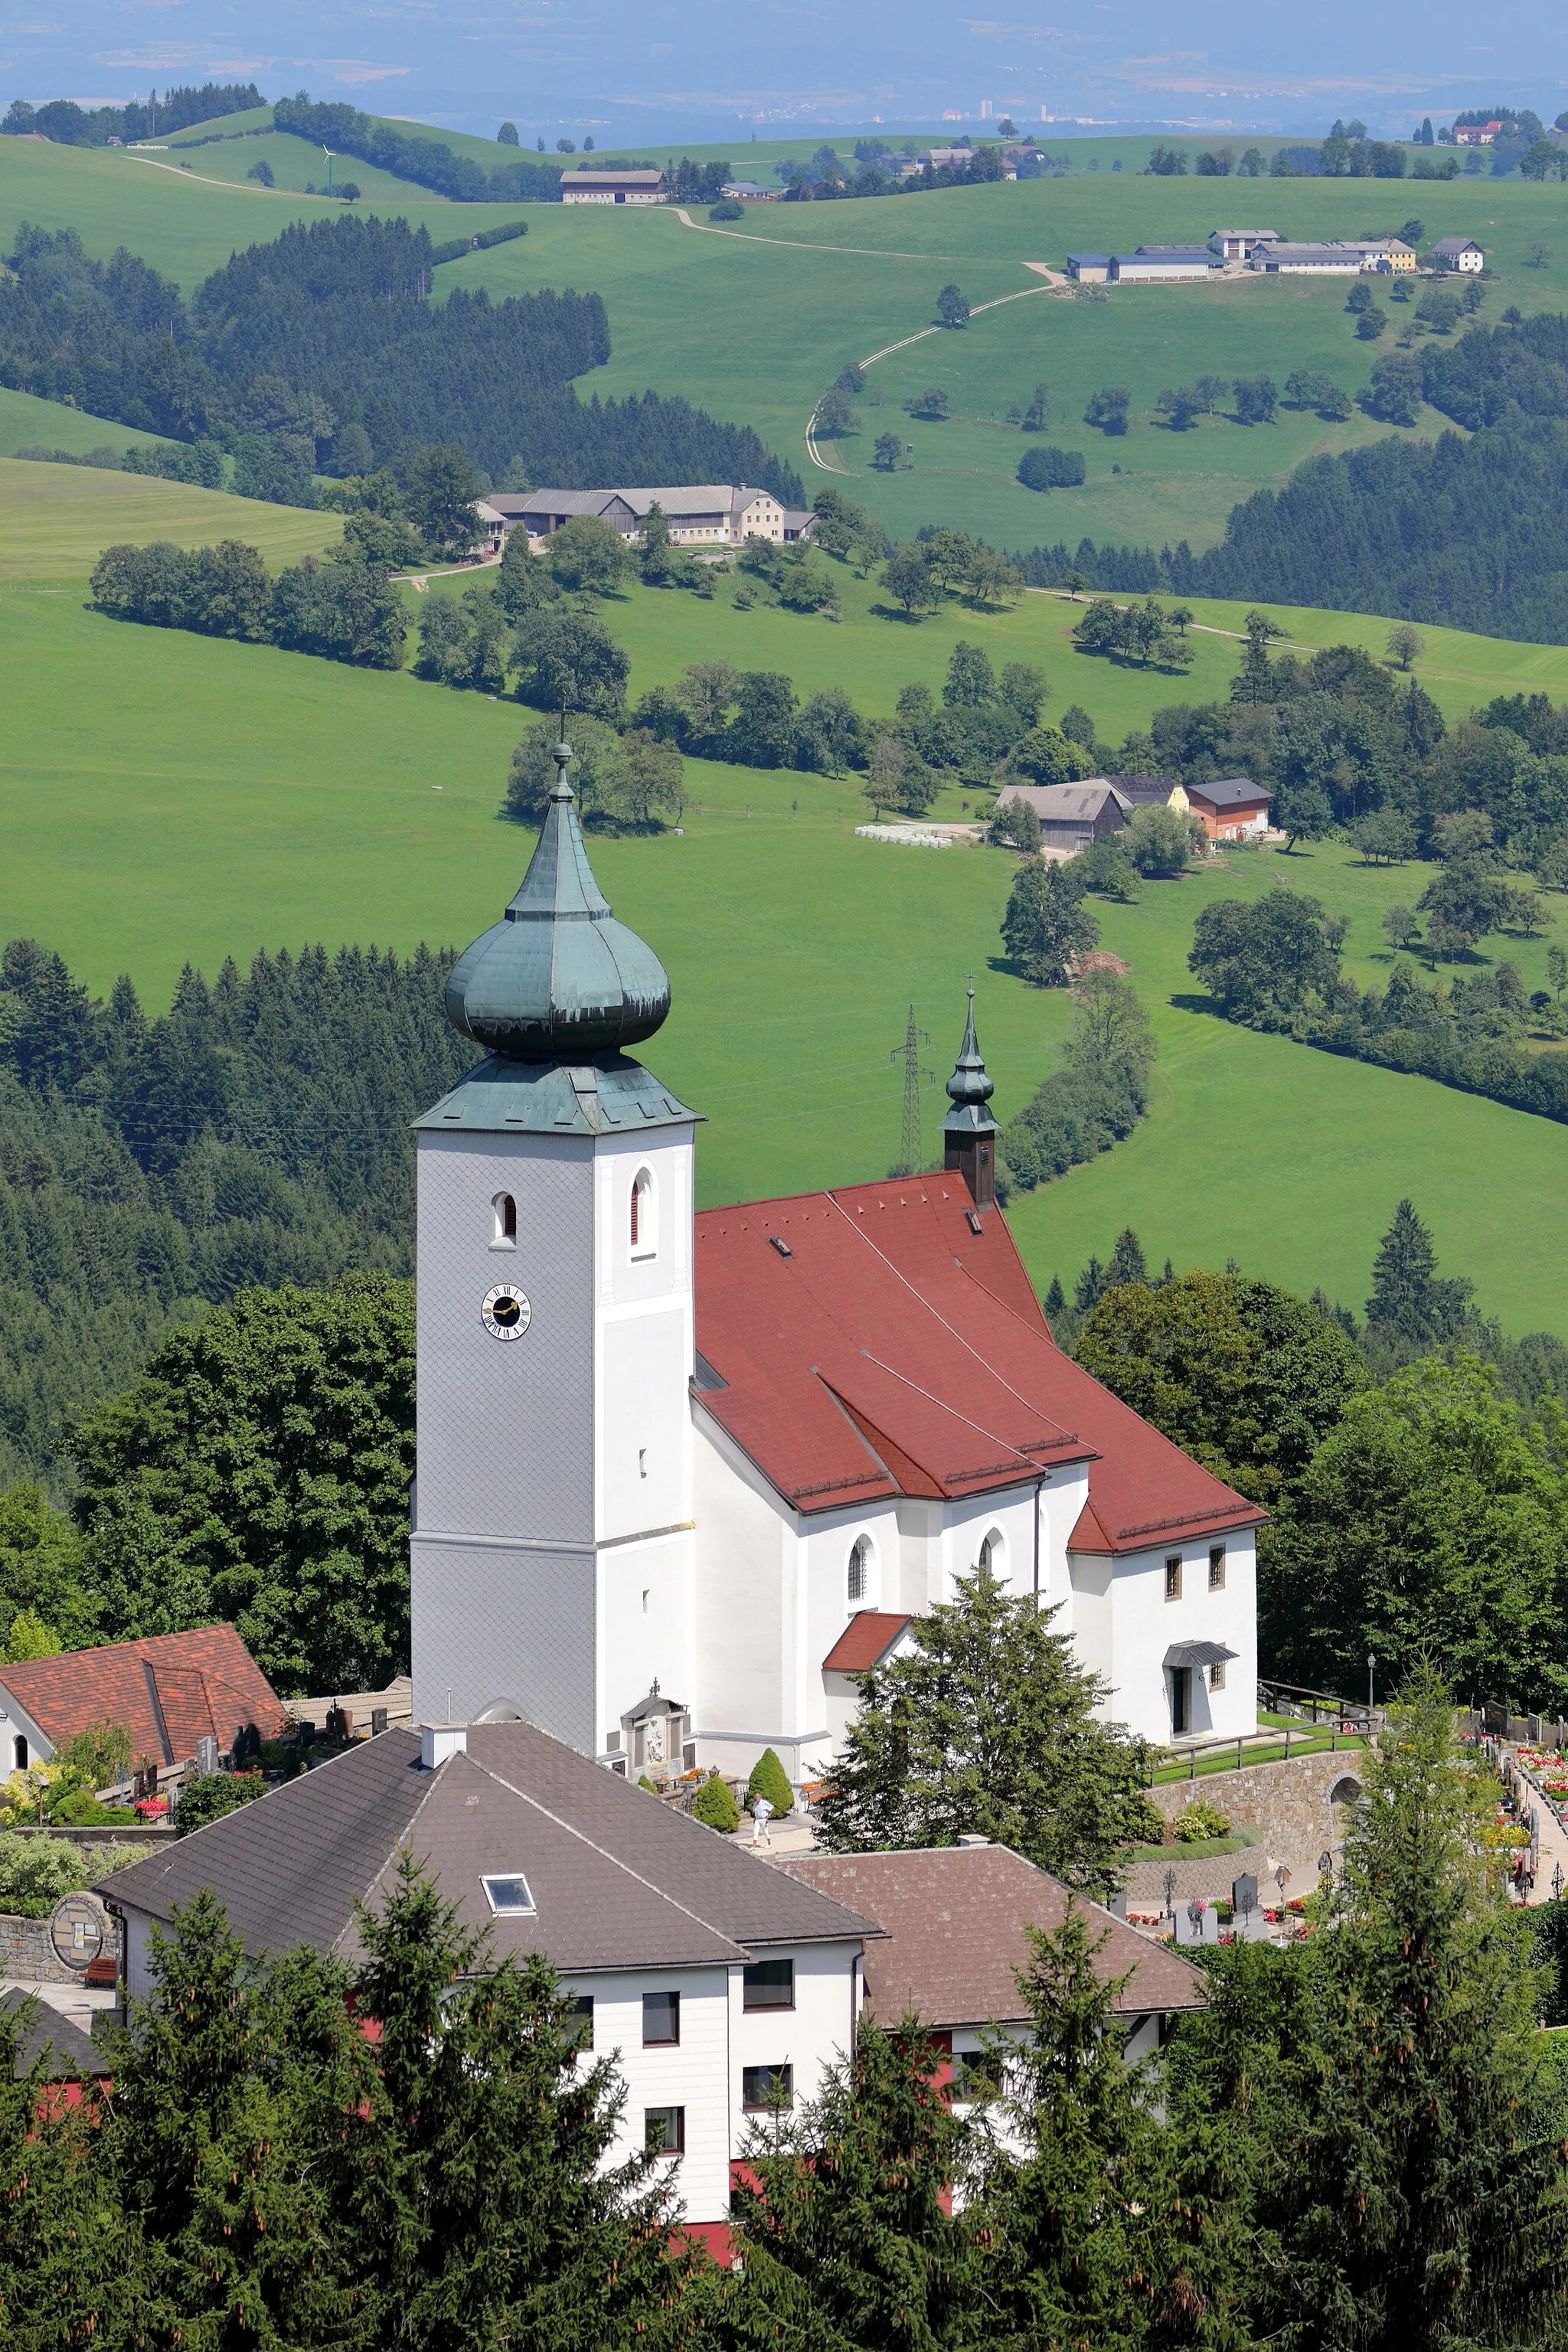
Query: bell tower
x=552 y=1541
x=969 y=1132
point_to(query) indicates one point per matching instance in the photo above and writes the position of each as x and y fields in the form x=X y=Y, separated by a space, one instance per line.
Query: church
x=682 y=1474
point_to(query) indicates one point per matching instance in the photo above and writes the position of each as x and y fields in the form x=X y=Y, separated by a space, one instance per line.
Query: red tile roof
x=864 y=1643
x=169 y=1690
x=954 y=1921
x=889 y=1348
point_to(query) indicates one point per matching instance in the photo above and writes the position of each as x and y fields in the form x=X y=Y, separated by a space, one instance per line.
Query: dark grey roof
x=1229 y=791
x=1137 y=792
x=1198 y=1654
x=618 y=1878
x=1061 y=803
x=67 y=2052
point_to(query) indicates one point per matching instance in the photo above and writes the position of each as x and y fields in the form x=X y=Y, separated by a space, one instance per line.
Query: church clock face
x=506 y=1313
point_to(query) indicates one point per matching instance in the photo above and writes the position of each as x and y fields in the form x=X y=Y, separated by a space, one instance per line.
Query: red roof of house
x=893 y=1346
x=864 y=1643
x=169 y=1690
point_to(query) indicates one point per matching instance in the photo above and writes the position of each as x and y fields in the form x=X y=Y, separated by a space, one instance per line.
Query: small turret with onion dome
x=969 y=1132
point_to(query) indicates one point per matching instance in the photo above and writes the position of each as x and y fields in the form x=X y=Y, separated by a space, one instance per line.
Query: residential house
x=955 y=1925
x=1459 y=253
x=751 y=191
x=701 y=514
x=1477 y=134
x=1241 y=243
x=1089 y=268
x=1072 y=816
x=71 y=2058
x=169 y=1691
x=612 y=188
x=1232 y=809
x=1389 y=256
x=716 y=1982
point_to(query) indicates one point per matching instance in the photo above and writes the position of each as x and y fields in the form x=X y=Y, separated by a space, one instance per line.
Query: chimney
x=439 y=1741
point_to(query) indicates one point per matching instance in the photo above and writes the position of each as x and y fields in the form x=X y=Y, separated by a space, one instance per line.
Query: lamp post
x=1371 y=1664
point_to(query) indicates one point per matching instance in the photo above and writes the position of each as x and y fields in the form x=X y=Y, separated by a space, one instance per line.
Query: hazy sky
x=653 y=67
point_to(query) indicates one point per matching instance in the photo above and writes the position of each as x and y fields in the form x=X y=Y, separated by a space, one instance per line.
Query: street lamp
x=1371 y=1663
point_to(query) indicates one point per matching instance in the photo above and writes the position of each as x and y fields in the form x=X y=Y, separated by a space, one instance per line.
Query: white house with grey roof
x=699 y=514
x=715 y=1982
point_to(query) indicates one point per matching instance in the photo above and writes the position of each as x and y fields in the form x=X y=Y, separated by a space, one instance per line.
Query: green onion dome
x=558 y=979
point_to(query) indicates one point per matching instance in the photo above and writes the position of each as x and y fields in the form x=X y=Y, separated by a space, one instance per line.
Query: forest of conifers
x=326 y=344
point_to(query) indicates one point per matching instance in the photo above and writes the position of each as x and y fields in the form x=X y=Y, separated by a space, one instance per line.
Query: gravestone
x=1196 y=1923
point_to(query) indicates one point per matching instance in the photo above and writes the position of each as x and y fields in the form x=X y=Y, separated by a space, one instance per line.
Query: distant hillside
x=322 y=353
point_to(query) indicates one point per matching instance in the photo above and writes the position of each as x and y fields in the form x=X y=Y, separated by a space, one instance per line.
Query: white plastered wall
x=694 y=2075
x=1144 y=1626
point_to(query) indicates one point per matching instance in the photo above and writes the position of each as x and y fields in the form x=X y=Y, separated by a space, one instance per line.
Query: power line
x=908 y=1053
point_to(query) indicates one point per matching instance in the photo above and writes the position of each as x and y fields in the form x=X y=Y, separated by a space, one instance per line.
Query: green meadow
x=165 y=798
x=55 y=520
x=753 y=320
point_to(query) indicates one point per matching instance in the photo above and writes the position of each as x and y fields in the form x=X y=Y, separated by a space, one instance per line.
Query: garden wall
x=1290 y=1804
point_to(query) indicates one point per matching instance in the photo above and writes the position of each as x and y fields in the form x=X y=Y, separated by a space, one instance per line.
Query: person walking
x=762 y=1813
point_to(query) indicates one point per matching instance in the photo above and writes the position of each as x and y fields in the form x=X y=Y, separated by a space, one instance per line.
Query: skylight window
x=508 y=1894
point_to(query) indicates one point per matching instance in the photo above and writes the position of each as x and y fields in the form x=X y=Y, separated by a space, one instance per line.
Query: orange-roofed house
x=682 y=1474
x=169 y=1691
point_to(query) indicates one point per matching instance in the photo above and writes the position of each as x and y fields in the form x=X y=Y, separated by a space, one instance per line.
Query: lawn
x=771 y=308
x=55 y=520
x=29 y=423
x=166 y=797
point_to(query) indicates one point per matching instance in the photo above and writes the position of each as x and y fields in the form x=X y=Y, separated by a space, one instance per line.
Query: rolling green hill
x=29 y=423
x=166 y=797
x=55 y=520
x=753 y=320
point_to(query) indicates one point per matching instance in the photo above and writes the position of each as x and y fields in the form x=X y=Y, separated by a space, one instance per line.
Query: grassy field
x=55 y=520
x=771 y=307
x=166 y=797
x=29 y=423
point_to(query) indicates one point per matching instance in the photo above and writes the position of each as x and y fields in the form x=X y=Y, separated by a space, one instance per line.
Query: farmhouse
x=612 y=188
x=1241 y=243
x=1089 y=268
x=1476 y=134
x=751 y=191
x=659 y=1443
x=170 y=1691
x=1459 y=253
x=701 y=514
x=1234 y=809
x=1072 y=816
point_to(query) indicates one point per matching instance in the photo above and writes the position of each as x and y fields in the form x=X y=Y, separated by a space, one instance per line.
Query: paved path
x=1553 y=1849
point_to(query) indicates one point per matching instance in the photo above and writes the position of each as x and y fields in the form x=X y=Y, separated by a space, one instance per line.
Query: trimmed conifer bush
x=768 y=1780
x=715 y=1804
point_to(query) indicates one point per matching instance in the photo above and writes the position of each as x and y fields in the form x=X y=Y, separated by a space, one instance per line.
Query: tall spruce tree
x=1101 y=2233
x=847 y=2233
x=989 y=1725
x=498 y=2221
x=1408 y=1301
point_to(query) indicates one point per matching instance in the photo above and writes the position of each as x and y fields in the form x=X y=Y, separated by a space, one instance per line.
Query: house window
x=1217 y=1674
x=508 y=1895
x=977 y=2077
x=503 y=1233
x=768 y=1984
x=641 y=1228
x=1173 y=1579
x=664 y=2130
x=660 y=2021
x=582 y=2019
x=1216 y=1569
x=860 y=1578
x=767 y=2087
x=19 y=1751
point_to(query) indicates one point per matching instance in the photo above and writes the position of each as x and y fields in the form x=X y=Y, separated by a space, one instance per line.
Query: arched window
x=641 y=1227
x=992 y=1558
x=19 y=1750
x=859 y=1576
x=504 y=1233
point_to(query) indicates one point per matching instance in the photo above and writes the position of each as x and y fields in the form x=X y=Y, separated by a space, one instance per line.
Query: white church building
x=682 y=1474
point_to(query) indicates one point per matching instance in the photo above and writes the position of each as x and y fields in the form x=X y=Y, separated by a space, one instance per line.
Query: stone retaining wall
x=1290 y=1804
